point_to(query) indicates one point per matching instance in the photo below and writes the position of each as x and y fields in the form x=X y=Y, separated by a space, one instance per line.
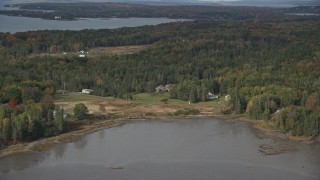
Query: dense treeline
x=28 y=111
x=268 y=68
x=24 y=43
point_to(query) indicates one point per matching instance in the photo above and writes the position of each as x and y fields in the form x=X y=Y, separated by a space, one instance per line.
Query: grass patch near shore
x=77 y=96
x=187 y=112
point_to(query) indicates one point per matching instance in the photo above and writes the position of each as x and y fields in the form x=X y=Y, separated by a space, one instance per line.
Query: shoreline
x=97 y=125
x=45 y=143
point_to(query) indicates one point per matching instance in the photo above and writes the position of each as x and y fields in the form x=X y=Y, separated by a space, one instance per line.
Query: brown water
x=181 y=149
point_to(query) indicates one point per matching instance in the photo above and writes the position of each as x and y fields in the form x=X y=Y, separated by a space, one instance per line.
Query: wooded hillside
x=264 y=65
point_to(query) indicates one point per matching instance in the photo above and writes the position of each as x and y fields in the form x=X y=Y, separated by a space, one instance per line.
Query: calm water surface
x=183 y=149
x=14 y=24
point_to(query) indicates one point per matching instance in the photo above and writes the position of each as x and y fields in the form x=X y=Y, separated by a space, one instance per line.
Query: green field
x=142 y=98
x=155 y=99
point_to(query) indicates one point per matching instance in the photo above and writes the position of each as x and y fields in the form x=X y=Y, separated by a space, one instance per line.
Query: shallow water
x=180 y=149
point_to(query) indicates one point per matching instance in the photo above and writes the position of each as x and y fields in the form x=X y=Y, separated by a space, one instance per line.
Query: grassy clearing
x=96 y=52
x=158 y=104
x=156 y=99
x=143 y=98
x=74 y=97
x=212 y=102
x=106 y=51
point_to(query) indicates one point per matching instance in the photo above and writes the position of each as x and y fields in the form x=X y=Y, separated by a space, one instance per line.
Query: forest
x=270 y=68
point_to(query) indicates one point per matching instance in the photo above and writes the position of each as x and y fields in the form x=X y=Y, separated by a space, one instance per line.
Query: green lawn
x=146 y=98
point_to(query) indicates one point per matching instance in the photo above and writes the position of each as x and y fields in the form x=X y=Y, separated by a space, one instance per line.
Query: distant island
x=73 y=11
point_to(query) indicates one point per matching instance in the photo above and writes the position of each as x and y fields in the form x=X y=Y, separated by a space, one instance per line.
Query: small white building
x=86 y=91
x=227 y=98
x=64 y=113
x=82 y=53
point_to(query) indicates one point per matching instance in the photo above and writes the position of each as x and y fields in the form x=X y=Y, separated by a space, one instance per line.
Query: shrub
x=187 y=112
x=102 y=108
x=150 y=114
x=165 y=100
x=80 y=111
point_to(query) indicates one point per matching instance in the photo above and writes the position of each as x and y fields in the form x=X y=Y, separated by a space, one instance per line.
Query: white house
x=162 y=88
x=168 y=87
x=86 y=91
x=212 y=96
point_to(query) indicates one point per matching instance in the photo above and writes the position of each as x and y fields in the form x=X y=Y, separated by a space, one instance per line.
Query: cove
x=202 y=148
